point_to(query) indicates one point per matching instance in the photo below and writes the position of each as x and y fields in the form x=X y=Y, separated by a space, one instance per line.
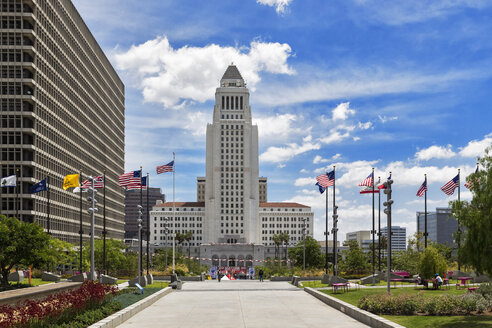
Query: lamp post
x=166 y=231
x=174 y=238
x=139 y=221
x=304 y=245
x=92 y=210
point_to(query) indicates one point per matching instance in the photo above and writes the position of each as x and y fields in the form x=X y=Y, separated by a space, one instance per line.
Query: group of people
x=436 y=282
x=220 y=275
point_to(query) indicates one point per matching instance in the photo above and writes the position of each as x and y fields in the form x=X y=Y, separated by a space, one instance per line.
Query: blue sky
x=402 y=86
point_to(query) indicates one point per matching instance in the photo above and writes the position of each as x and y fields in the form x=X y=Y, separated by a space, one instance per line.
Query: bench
x=472 y=289
x=344 y=286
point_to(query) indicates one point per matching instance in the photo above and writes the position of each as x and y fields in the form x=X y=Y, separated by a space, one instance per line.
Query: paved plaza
x=240 y=304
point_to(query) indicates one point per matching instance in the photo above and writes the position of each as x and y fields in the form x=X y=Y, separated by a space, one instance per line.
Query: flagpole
x=459 y=230
x=174 y=205
x=1 y=189
x=80 y=216
x=379 y=225
x=140 y=231
x=373 y=232
x=17 y=198
x=335 y=256
x=104 y=222
x=48 y=222
x=148 y=224
x=425 y=212
x=326 y=230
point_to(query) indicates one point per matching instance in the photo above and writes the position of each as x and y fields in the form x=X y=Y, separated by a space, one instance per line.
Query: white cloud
x=171 y=76
x=304 y=182
x=318 y=159
x=281 y=166
x=279 y=127
x=476 y=148
x=342 y=111
x=385 y=119
x=364 y=126
x=356 y=138
x=282 y=154
x=435 y=152
x=352 y=83
x=399 y=12
x=280 y=5
x=334 y=137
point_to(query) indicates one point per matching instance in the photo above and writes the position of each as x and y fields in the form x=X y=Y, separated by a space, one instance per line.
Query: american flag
x=422 y=189
x=326 y=180
x=469 y=184
x=138 y=186
x=368 y=181
x=98 y=183
x=449 y=187
x=132 y=178
x=169 y=167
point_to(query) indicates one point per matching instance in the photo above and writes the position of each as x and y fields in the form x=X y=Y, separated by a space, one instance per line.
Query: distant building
x=132 y=199
x=398 y=237
x=362 y=237
x=440 y=225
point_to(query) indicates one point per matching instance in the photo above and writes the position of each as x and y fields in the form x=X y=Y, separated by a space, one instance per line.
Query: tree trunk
x=5 y=277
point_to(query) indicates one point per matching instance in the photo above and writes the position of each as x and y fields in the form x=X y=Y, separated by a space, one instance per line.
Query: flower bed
x=55 y=308
x=417 y=304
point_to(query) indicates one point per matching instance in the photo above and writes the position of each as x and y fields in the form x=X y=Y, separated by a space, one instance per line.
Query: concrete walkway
x=240 y=304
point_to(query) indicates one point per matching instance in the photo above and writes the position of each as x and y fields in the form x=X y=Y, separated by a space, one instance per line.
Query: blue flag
x=321 y=188
x=40 y=186
x=144 y=181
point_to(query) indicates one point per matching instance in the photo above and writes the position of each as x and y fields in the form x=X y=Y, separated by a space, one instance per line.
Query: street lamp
x=92 y=210
x=139 y=221
x=174 y=238
x=304 y=244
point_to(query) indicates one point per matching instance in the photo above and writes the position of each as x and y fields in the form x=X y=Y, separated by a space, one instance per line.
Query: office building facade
x=132 y=199
x=398 y=237
x=62 y=112
x=441 y=225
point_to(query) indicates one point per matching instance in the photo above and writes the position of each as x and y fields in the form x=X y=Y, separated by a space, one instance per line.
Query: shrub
x=179 y=269
x=63 y=304
x=486 y=289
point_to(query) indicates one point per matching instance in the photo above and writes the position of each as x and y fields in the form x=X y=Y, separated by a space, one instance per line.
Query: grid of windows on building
x=55 y=79
x=441 y=225
x=133 y=198
x=398 y=237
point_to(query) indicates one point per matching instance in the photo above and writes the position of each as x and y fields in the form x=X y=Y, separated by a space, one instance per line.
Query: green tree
x=188 y=236
x=115 y=256
x=409 y=260
x=21 y=244
x=314 y=258
x=60 y=253
x=285 y=240
x=180 y=238
x=355 y=260
x=277 y=240
x=475 y=219
x=431 y=263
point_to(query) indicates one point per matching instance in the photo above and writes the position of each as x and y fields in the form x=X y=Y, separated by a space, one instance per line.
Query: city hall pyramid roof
x=232 y=73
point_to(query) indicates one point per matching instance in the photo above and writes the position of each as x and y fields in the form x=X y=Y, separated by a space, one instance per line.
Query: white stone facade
x=231 y=211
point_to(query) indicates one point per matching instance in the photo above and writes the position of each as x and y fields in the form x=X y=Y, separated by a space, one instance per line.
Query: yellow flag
x=71 y=180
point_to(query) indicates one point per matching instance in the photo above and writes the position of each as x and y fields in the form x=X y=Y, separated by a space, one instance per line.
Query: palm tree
x=180 y=238
x=285 y=239
x=188 y=237
x=277 y=240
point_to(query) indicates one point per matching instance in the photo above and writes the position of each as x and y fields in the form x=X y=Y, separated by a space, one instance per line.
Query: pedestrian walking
x=261 y=275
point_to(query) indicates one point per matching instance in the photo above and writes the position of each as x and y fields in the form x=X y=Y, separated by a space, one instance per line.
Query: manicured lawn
x=470 y=321
x=120 y=281
x=313 y=284
x=35 y=282
x=353 y=296
x=419 y=321
x=158 y=284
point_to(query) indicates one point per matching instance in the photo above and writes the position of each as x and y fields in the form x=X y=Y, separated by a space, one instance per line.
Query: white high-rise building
x=232 y=222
